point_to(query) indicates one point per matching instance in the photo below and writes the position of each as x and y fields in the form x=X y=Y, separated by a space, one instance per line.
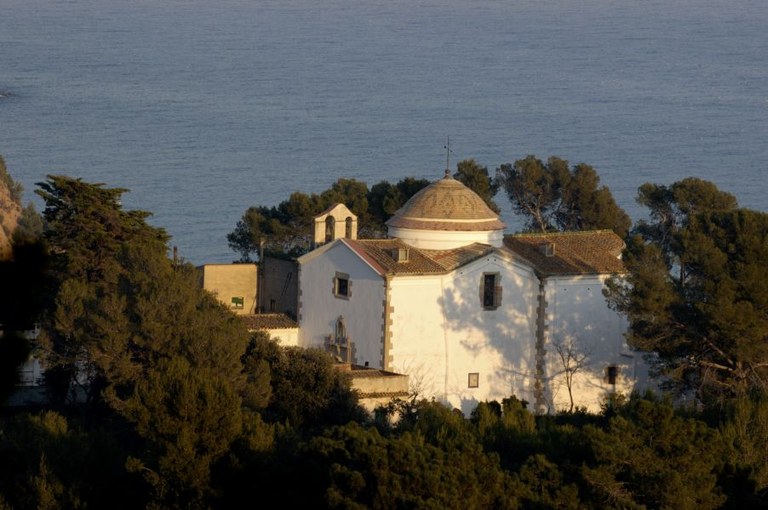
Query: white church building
x=468 y=313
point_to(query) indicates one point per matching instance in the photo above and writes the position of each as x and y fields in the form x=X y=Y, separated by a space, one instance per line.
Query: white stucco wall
x=446 y=239
x=362 y=311
x=441 y=333
x=287 y=337
x=580 y=322
x=417 y=338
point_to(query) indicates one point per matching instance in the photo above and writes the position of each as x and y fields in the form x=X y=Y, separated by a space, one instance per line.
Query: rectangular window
x=238 y=302
x=491 y=291
x=611 y=374
x=341 y=285
x=473 y=380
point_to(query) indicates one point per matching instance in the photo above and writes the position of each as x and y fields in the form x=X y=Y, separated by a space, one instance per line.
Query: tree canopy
x=476 y=178
x=696 y=295
x=188 y=410
x=134 y=332
x=553 y=196
x=286 y=229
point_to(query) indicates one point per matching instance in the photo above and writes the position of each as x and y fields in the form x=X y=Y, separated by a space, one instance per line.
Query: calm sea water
x=203 y=108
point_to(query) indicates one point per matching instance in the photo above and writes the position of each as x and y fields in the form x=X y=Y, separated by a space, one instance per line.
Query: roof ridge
x=563 y=233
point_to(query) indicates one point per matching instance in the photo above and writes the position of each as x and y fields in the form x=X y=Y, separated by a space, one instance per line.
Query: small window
x=272 y=305
x=473 y=380
x=238 y=302
x=491 y=291
x=341 y=285
x=611 y=374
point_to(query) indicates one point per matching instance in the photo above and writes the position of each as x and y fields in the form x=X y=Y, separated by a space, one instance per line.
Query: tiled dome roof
x=446 y=204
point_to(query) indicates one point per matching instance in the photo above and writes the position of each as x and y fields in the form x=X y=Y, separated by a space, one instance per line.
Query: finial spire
x=447 y=148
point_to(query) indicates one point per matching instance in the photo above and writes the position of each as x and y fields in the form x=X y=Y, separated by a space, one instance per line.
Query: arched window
x=330 y=229
x=348 y=230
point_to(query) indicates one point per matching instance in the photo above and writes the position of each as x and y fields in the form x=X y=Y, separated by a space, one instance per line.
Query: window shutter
x=490 y=291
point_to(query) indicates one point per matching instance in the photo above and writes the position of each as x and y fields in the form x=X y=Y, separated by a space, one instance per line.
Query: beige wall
x=228 y=281
x=341 y=215
x=386 y=383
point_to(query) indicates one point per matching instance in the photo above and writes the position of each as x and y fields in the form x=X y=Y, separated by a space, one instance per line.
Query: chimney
x=548 y=249
x=400 y=254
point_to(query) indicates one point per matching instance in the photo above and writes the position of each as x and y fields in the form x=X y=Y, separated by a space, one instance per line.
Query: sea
x=203 y=108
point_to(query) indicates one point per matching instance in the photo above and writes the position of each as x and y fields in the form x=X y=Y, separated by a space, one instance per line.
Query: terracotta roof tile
x=446 y=204
x=382 y=252
x=262 y=321
x=457 y=257
x=590 y=252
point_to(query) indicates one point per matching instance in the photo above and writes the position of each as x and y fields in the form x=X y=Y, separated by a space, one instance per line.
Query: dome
x=444 y=215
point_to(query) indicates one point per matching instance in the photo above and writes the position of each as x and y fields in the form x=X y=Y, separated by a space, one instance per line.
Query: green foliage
x=258 y=391
x=196 y=413
x=350 y=192
x=586 y=206
x=671 y=207
x=726 y=285
x=87 y=227
x=743 y=426
x=553 y=196
x=189 y=417
x=46 y=462
x=476 y=178
x=142 y=338
x=356 y=467
x=324 y=398
x=696 y=294
x=649 y=456
x=508 y=429
x=543 y=486
x=121 y=304
x=437 y=423
x=384 y=199
x=29 y=229
x=287 y=227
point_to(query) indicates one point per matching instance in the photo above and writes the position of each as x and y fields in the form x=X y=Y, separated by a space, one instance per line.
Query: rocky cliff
x=10 y=211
